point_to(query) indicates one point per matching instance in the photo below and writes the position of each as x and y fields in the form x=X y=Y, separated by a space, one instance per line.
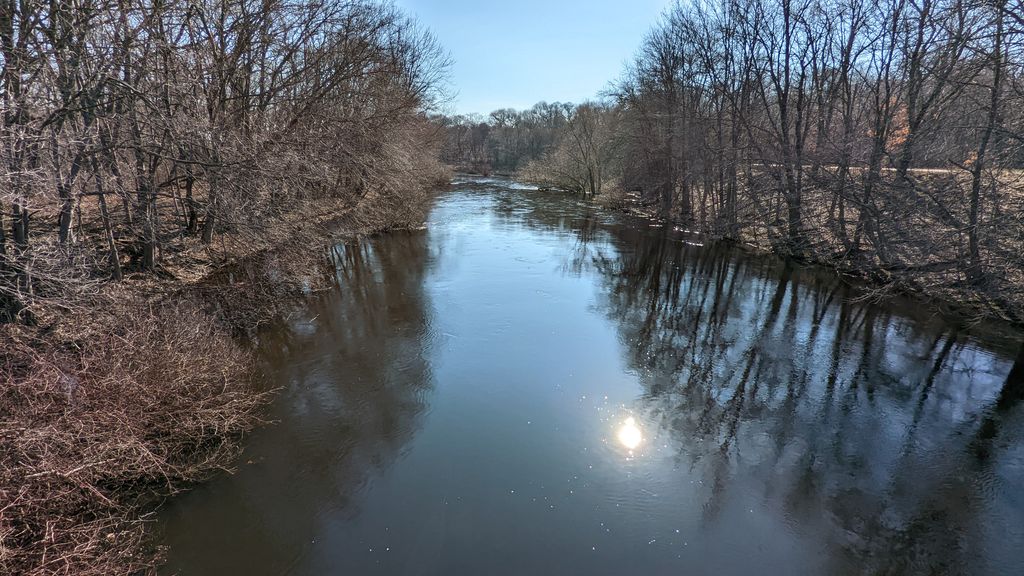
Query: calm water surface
x=531 y=386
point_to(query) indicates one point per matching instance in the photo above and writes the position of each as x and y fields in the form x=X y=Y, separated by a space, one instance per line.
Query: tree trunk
x=20 y=227
x=64 y=218
x=209 y=223
x=975 y=270
x=191 y=208
x=147 y=215
x=115 y=260
x=3 y=233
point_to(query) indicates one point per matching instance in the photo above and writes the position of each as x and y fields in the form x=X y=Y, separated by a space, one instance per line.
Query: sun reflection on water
x=629 y=434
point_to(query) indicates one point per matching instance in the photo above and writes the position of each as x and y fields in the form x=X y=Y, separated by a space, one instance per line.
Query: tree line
x=841 y=99
x=169 y=173
x=135 y=129
x=881 y=136
x=504 y=141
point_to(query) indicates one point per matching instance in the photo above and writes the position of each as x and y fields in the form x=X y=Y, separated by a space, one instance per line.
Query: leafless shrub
x=144 y=403
x=170 y=172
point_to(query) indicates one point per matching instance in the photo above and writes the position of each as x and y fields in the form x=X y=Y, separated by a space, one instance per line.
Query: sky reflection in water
x=462 y=405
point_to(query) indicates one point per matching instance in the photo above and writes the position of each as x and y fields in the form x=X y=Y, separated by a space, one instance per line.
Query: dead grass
x=125 y=393
x=145 y=401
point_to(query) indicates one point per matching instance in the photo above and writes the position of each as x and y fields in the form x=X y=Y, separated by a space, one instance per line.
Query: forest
x=882 y=138
x=170 y=172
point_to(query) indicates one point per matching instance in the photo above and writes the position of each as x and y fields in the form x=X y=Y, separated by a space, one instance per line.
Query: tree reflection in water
x=761 y=416
x=354 y=379
x=767 y=376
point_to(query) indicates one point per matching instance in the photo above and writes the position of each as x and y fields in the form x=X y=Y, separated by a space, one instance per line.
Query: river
x=533 y=385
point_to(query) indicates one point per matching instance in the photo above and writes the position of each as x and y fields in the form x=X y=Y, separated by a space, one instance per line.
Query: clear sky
x=514 y=53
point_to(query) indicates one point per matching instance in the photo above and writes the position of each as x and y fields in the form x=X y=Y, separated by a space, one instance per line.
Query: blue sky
x=513 y=54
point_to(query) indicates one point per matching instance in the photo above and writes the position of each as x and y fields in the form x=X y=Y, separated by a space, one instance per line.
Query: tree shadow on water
x=354 y=382
x=861 y=426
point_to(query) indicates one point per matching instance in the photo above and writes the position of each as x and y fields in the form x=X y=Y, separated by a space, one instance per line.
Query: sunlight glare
x=629 y=434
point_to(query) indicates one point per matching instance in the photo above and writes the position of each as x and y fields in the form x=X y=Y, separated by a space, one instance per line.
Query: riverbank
x=932 y=283
x=124 y=393
x=461 y=400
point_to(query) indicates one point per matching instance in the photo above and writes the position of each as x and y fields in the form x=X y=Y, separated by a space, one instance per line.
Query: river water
x=534 y=386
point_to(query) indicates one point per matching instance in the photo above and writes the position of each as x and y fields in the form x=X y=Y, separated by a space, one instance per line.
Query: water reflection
x=629 y=434
x=355 y=374
x=768 y=379
x=472 y=399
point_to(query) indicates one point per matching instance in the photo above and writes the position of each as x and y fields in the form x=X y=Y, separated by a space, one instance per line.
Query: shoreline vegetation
x=955 y=302
x=173 y=174
x=172 y=171
x=882 y=139
x=144 y=391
